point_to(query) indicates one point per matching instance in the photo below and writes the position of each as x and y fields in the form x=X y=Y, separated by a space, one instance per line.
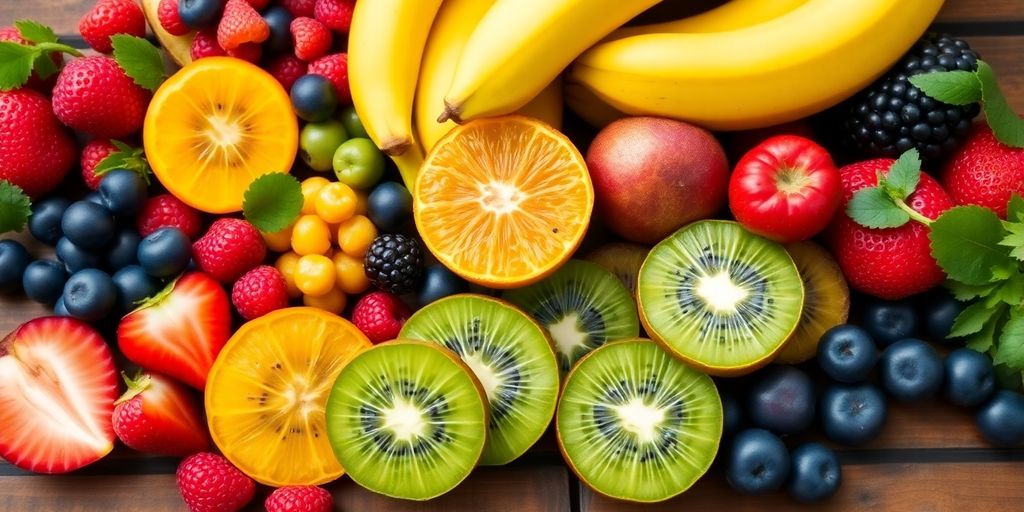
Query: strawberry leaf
x=965 y=243
x=15 y=64
x=952 y=87
x=874 y=208
x=904 y=174
x=1015 y=239
x=15 y=207
x=1006 y=125
x=1010 y=350
x=972 y=319
x=139 y=59
x=985 y=339
x=35 y=32
x=44 y=67
x=1015 y=209
x=126 y=157
x=272 y=202
x=965 y=292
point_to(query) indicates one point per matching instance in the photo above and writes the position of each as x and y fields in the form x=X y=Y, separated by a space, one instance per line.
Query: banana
x=728 y=16
x=178 y=48
x=781 y=70
x=385 y=46
x=547 y=106
x=520 y=46
x=589 y=107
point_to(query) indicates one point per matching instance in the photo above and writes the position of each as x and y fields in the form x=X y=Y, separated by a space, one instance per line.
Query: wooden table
x=930 y=457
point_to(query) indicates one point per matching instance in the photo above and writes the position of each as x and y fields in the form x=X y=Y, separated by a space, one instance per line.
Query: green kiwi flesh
x=511 y=356
x=582 y=305
x=719 y=297
x=636 y=424
x=407 y=419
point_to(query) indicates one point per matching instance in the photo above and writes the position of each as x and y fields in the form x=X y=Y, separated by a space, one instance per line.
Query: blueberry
x=44 y=280
x=59 y=308
x=94 y=197
x=815 y=474
x=782 y=400
x=732 y=413
x=14 y=258
x=440 y=282
x=969 y=376
x=314 y=98
x=890 y=321
x=911 y=370
x=123 y=192
x=279 y=20
x=133 y=285
x=852 y=415
x=44 y=223
x=758 y=462
x=76 y=258
x=88 y=225
x=165 y=252
x=124 y=249
x=200 y=13
x=389 y=206
x=938 y=314
x=846 y=353
x=1001 y=420
x=89 y=294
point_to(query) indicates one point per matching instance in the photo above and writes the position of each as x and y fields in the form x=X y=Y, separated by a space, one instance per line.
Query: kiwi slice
x=622 y=259
x=826 y=301
x=720 y=297
x=407 y=419
x=636 y=424
x=510 y=355
x=582 y=305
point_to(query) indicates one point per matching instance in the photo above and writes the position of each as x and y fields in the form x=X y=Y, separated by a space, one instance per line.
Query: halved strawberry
x=57 y=390
x=157 y=415
x=180 y=331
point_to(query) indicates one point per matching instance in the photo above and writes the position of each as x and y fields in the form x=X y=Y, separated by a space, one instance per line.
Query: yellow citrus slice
x=503 y=201
x=214 y=127
x=267 y=391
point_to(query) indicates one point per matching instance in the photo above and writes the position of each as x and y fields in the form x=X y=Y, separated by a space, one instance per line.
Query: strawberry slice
x=180 y=331
x=57 y=389
x=157 y=415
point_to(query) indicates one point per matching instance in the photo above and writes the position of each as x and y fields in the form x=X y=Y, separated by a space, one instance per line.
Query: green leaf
x=1011 y=291
x=972 y=319
x=1015 y=209
x=965 y=292
x=1015 y=239
x=1010 y=350
x=952 y=87
x=15 y=207
x=15 y=64
x=126 y=157
x=985 y=339
x=965 y=243
x=139 y=59
x=35 y=32
x=904 y=174
x=873 y=208
x=1006 y=125
x=44 y=66
x=272 y=202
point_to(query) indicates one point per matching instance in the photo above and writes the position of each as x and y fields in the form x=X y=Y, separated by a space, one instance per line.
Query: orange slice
x=214 y=127
x=503 y=201
x=267 y=392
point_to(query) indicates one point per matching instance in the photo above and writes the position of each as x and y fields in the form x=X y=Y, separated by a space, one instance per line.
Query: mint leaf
x=272 y=202
x=965 y=243
x=139 y=59
x=15 y=207
x=904 y=174
x=126 y=157
x=985 y=339
x=1015 y=239
x=1010 y=350
x=965 y=292
x=1015 y=209
x=873 y=208
x=972 y=319
x=35 y=32
x=1005 y=124
x=15 y=64
x=952 y=87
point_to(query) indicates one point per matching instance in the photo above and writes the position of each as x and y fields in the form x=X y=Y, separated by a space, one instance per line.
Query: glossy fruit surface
x=123 y=192
x=889 y=321
x=852 y=415
x=358 y=163
x=43 y=280
x=314 y=274
x=350 y=274
x=318 y=142
x=782 y=401
x=165 y=252
x=353 y=125
x=815 y=474
x=36 y=151
x=847 y=354
x=969 y=378
x=938 y=313
x=389 y=206
x=14 y=258
x=311 y=235
x=757 y=463
x=911 y=370
x=439 y=282
x=160 y=416
x=335 y=203
x=44 y=223
x=88 y=225
x=134 y=285
x=1001 y=420
x=355 y=235
x=985 y=172
x=313 y=97
x=124 y=249
x=89 y=294
x=76 y=258
x=199 y=13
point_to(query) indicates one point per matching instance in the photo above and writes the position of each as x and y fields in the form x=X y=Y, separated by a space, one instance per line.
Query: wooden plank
x=61 y=15
x=1006 y=55
x=882 y=487
x=987 y=10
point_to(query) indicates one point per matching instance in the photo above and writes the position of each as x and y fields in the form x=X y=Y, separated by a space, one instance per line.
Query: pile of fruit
x=348 y=238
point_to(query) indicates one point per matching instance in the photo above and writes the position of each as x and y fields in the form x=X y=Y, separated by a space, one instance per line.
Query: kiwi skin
x=568 y=460
x=802 y=344
x=622 y=259
x=717 y=371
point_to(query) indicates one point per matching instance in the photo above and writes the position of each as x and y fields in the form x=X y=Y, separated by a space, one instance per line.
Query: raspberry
x=209 y=483
x=380 y=315
x=258 y=4
x=334 y=67
x=92 y=154
x=287 y=69
x=259 y=291
x=300 y=8
x=299 y=498
x=205 y=45
x=170 y=20
x=241 y=24
x=110 y=17
x=335 y=14
x=249 y=52
x=230 y=248
x=312 y=39
x=166 y=210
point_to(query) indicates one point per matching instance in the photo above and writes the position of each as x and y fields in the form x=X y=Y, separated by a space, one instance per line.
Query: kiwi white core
x=404 y=420
x=567 y=333
x=720 y=292
x=489 y=379
x=499 y=197
x=641 y=419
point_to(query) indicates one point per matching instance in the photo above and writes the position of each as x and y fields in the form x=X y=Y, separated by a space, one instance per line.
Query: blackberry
x=394 y=263
x=892 y=115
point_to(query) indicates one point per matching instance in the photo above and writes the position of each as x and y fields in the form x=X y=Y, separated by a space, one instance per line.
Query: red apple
x=653 y=175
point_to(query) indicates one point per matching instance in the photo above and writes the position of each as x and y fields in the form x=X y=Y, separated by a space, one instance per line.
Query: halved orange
x=214 y=127
x=267 y=392
x=503 y=201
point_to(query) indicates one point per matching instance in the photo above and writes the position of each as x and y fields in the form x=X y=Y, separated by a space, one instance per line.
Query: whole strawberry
x=170 y=20
x=36 y=151
x=287 y=69
x=93 y=95
x=312 y=39
x=109 y=17
x=34 y=82
x=299 y=499
x=335 y=14
x=380 y=315
x=334 y=67
x=259 y=291
x=240 y=24
x=159 y=416
x=92 y=154
x=165 y=210
x=890 y=263
x=209 y=483
x=985 y=171
x=230 y=248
